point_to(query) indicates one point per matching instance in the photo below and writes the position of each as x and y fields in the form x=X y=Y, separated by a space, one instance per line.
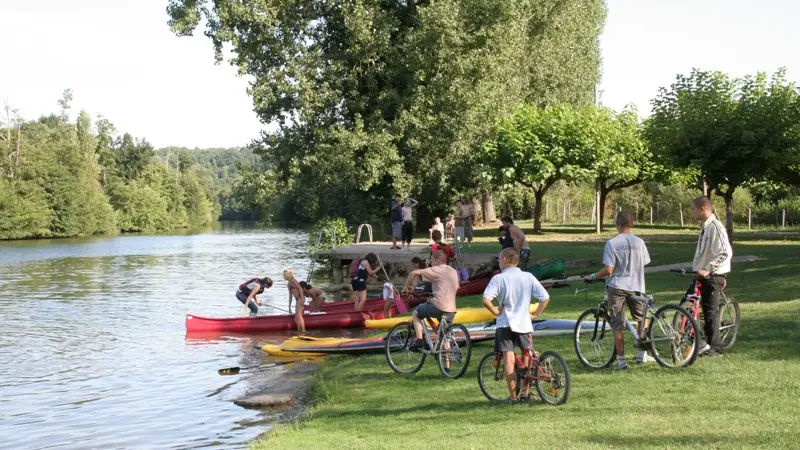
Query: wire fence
x=668 y=213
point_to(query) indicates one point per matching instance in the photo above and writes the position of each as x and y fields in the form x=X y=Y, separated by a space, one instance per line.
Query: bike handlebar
x=682 y=271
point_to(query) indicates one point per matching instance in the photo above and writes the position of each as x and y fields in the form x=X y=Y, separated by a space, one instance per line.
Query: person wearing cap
x=249 y=290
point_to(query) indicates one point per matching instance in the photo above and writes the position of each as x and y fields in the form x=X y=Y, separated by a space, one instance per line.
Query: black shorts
x=427 y=310
x=505 y=340
x=358 y=284
x=408 y=232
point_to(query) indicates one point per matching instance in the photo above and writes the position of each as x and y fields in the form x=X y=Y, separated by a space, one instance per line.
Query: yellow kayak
x=285 y=349
x=463 y=315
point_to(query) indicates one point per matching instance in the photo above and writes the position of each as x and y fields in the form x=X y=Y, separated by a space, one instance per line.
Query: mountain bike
x=547 y=371
x=671 y=334
x=452 y=348
x=729 y=314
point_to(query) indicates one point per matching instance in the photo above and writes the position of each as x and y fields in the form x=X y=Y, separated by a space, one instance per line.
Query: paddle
x=402 y=308
x=236 y=370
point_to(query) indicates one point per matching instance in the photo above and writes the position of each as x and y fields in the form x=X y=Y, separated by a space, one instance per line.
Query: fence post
x=591 y=219
x=783 y=221
x=651 y=214
x=681 y=211
x=547 y=210
x=569 y=209
x=636 y=213
x=657 y=214
x=749 y=218
x=564 y=212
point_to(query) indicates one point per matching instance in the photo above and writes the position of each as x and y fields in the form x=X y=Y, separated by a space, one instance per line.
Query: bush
x=339 y=227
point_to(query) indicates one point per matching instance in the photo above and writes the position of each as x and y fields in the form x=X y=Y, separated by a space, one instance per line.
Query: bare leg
x=508 y=371
x=298 y=317
x=526 y=382
x=386 y=309
x=417 y=324
x=619 y=342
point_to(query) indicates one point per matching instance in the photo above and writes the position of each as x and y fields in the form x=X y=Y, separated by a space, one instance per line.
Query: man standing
x=624 y=258
x=467 y=214
x=397 y=220
x=513 y=290
x=518 y=238
x=444 y=280
x=712 y=262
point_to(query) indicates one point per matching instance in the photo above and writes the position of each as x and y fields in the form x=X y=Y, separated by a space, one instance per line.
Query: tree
x=732 y=130
x=538 y=146
x=371 y=98
x=65 y=103
x=132 y=156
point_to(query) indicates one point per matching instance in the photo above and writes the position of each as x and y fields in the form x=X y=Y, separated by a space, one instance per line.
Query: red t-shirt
x=446 y=249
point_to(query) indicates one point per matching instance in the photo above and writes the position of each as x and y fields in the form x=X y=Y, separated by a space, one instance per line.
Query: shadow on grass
x=691 y=437
x=769 y=339
x=441 y=410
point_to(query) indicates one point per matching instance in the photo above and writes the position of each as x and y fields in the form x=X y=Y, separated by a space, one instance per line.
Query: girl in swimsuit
x=297 y=292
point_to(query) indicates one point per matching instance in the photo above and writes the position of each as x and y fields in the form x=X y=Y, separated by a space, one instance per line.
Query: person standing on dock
x=408 y=223
x=397 y=220
x=443 y=303
x=249 y=290
x=296 y=291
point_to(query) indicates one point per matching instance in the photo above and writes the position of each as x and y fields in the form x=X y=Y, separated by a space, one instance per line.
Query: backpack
x=354 y=267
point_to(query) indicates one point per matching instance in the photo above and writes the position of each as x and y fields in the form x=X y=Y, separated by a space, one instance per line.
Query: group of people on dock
x=402 y=222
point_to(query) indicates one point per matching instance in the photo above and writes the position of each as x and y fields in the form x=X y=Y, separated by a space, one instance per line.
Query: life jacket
x=354 y=267
x=246 y=290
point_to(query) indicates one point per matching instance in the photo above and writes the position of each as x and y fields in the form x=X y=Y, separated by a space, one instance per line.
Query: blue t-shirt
x=397 y=213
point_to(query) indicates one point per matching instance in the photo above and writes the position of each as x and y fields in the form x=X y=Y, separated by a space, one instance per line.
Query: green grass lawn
x=746 y=399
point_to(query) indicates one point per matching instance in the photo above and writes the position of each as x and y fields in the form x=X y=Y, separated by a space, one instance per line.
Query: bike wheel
x=400 y=358
x=491 y=378
x=456 y=349
x=673 y=337
x=554 y=389
x=729 y=323
x=594 y=339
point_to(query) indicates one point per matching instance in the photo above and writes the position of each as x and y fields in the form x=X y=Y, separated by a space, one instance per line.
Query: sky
x=121 y=60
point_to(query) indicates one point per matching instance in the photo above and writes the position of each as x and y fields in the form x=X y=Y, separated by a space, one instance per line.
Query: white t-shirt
x=628 y=254
x=513 y=290
x=407 y=213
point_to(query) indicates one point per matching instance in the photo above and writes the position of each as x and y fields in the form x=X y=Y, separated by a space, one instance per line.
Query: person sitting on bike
x=444 y=281
x=513 y=288
x=712 y=262
x=624 y=258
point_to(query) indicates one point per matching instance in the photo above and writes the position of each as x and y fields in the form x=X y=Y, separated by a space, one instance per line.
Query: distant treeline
x=62 y=178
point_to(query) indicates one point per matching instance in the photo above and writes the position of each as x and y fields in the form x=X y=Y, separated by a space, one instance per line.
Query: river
x=93 y=347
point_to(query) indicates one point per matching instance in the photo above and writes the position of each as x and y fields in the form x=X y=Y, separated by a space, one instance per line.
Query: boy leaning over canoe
x=513 y=288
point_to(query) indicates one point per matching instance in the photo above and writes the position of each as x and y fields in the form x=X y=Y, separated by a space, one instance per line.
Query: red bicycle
x=729 y=314
x=548 y=372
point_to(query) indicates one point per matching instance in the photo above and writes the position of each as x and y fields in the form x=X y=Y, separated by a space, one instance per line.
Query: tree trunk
x=487 y=202
x=728 y=196
x=537 y=211
x=603 y=195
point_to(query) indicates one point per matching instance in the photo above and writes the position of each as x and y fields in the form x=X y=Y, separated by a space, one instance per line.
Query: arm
x=604 y=272
x=413 y=202
x=397 y=205
x=252 y=296
x=518 y=238
x=487 y=303
x=540 y=307
x=721 y=250
x=369 y=269
x=410 y=279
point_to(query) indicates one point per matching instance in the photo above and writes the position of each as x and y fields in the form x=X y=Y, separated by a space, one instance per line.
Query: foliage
x=73 y=179
x=537 y=147
x=733 y=131
x=342 y=233
x=372 y=98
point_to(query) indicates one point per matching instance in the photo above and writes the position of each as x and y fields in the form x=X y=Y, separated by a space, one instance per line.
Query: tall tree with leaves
x=537 y=147
x=377 y=97
x=732 y=130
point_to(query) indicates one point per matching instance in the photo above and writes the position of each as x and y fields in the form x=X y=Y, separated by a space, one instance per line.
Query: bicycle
x=672 y=337
x=729 y=314
x=453 y=348
x=548 y=367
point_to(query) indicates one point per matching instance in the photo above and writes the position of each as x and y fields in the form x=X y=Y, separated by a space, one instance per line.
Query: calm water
x=93 y=347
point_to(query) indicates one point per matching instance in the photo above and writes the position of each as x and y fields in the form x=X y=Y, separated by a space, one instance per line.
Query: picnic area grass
x=745 y=399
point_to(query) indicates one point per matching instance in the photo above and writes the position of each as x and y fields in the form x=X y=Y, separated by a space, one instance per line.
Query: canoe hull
x=278 y=323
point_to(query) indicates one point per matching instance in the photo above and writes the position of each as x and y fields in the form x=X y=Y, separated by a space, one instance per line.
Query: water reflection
x=94 y=347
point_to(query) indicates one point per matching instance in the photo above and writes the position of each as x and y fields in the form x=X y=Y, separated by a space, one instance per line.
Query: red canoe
x=473 y=287
x=372 y=304
x=279 y=323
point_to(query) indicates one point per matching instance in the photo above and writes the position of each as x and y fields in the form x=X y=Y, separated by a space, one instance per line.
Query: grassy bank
x=747 y=399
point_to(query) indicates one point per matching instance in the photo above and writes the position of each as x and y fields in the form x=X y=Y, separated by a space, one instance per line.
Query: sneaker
x=525 y=398
x=514 y=401
x=713 y=354
x=705 y=349
x=418 y=344
x=643 y=357
x=621 y=364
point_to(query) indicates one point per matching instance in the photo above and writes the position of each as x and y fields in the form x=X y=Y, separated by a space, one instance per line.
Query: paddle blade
x=229 y=371
x=402 y=308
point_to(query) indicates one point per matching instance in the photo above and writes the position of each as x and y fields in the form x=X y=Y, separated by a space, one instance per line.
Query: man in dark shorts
x=513 y=288
x=624 y=258
x=444 y=281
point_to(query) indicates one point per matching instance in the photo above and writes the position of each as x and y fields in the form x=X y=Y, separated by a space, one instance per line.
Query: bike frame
x=540 y=376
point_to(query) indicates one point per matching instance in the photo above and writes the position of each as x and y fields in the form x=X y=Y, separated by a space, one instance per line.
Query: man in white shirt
x=712 y=262
x=624 y=258
x=513 y=290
